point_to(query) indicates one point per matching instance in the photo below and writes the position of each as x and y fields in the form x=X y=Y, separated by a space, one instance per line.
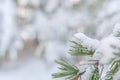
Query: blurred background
x=34 y=33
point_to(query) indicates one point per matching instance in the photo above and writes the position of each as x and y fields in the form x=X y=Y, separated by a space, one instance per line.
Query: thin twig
x=77 y=76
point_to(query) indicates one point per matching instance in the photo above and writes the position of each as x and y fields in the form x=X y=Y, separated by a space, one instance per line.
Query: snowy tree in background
x=103 y=62
x=38 y=21
x=33 y=20
x=8 y=26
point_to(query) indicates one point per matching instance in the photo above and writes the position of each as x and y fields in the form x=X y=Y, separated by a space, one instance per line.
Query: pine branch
x=78 y=49
x=114 y=68
x=68 y=70
x=77 y=76
x=95 y=75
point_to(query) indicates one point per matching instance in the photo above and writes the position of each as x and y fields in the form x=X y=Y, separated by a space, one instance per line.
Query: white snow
x=91 y=44
x=33 y=69
x=88 y=72
x=107 y=49
x=116 y=30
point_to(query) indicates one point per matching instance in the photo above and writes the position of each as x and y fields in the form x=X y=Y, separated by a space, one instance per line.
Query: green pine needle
x=68 y=70
x=114 y=68
x=78 y=49
x=95 y=75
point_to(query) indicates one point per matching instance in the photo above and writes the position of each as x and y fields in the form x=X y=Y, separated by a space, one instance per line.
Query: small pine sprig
x=68 y=70
x=95 y=75
x=114 y=68
x=78 y=50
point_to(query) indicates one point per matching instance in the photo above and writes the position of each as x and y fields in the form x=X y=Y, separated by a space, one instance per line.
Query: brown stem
x=77 y=76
